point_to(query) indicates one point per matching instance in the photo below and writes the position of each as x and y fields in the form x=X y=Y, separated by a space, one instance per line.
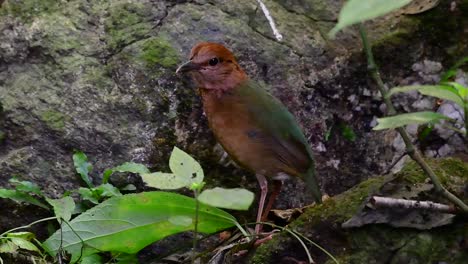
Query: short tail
x=312 y=184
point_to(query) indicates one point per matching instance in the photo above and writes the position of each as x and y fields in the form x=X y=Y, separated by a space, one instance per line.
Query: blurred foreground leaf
x=236 y=199
x=355 y=11
x=129 y=223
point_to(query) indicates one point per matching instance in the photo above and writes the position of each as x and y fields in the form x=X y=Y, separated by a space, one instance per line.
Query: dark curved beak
x=187 y=66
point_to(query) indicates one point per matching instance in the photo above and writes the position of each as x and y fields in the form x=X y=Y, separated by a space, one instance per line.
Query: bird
x=254 y=128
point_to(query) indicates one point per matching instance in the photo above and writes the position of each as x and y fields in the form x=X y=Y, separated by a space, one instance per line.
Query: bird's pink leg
x=274 y=193
x=262 y=181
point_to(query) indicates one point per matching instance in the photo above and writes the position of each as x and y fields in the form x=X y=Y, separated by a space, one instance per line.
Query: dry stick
x=410 y=148
x=389 y=202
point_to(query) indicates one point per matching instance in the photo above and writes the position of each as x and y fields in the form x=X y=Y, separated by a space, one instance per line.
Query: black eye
x=213 y=61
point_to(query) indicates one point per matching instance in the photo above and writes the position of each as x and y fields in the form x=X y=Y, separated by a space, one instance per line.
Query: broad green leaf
x=126 y=259
x=26 y=186
x=355 y=11
x=407 y=119
x=130 y=222
x=236 y=199
x=184 y=166
x=164 y=181
x=83 y=167
x=88 y=194
x=63 y=207
x=440 y=91
x=107 y=190
x=24 y=244
x=125 y=167
x=181 y=220
x=92 y=259
x=21 y=197
x=6 y=246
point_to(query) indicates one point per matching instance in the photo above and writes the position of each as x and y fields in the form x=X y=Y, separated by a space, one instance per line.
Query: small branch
x=388 y=202
x=277 y=34
x=410 y=148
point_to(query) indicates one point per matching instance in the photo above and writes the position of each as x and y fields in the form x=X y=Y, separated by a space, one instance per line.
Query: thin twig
x=277 y=34
x=28 y=226
x=195 y=229
x=390 y=202
x=410 y=148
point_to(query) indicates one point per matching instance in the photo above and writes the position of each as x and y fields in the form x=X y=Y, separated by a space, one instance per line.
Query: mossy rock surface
x=376 y=243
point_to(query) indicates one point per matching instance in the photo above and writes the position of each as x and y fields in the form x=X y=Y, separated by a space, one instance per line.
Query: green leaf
x=462 y=90
x=126 y=259
x=407 y=119
x=164 y=181
x=347 y=132
x=24 y=244
x=185 y=167
x=106 y=175
x=83 y=167
x=440 y=91
x=92 y=259
x=236 y=199
x=452 y=72
x=21 y=197
x=130 y=222
x=26 y=186
x=355 y=11
x=63 y=207
x=107 y=190
x=6 y=246
x=125 y=167
x=23 y=235
x=181 y=220
x=88 y=194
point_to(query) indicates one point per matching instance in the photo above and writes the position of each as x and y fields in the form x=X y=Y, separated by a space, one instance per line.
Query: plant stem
x=28 y=226
x=410 y=148
x=195 y=228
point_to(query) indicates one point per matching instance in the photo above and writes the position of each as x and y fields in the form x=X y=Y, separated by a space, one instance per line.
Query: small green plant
x=124 y=224
x=358 y=11
x=450 y=91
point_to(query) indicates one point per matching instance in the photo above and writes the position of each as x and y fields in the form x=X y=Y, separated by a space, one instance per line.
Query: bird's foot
x=264 y=237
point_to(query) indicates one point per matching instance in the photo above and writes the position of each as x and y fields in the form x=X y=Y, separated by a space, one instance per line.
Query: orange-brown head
x=213 y=67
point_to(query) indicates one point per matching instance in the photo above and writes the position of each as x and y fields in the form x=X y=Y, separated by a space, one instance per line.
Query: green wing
x=277 y=127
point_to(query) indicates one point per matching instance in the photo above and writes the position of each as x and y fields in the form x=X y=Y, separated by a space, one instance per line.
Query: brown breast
x=234 y=128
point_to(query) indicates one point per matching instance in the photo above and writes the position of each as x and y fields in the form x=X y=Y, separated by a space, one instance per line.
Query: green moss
x=54 y=119
x=452 y=172
x=380 y=243
x=28 y=9
x=440 y=25
x=159 y=52
x=127 y=23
